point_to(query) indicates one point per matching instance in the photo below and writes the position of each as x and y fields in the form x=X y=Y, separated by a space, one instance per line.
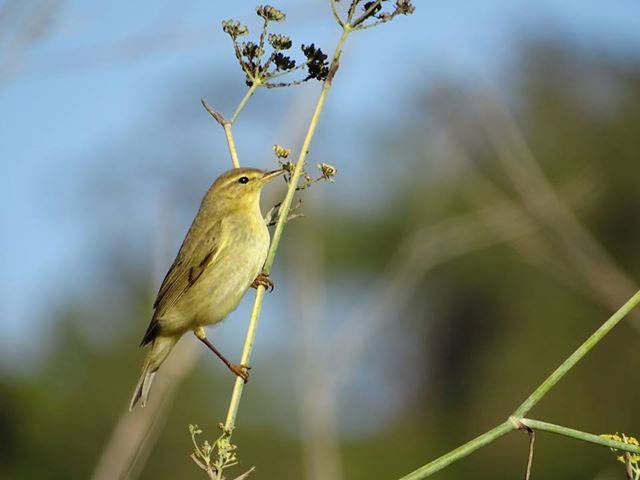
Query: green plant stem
x=578 y=435
x=245 y=99
x=576 y=356
x=365 y=15
x=232 y=145
x=336 y=15
x=532 y=400
x=460 y=452
x=236 y=395
x=227 y=124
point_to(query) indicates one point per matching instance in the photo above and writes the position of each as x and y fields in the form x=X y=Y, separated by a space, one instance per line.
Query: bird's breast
x=241 y=259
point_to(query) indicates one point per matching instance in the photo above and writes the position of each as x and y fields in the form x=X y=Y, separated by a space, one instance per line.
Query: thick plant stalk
x=516 y=421
x=236 y=395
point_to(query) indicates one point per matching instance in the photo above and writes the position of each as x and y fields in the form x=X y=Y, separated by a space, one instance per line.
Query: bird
x=221 y=256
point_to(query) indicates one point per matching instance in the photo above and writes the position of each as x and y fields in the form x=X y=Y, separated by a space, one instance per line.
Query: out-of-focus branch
x=317 y=404
x=132 y=437
x=135 y=433
x=592 y=260
x=22 y=24
x=534 y=249
x=502 y=222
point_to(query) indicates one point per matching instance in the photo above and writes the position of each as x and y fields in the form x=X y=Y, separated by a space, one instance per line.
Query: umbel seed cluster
x=261 y=66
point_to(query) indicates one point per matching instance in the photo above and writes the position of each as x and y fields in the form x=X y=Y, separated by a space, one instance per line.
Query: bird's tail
x=160 y=349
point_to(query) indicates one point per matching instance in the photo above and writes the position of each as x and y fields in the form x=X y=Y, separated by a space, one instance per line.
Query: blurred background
x=484 y=221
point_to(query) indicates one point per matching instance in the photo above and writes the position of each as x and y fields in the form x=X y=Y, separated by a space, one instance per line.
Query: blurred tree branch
x=590 y=258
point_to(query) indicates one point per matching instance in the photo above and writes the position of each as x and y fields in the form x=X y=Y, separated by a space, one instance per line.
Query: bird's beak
x=268 y=176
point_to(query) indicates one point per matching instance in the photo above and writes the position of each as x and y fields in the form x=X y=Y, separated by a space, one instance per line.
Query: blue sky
x=96 y=96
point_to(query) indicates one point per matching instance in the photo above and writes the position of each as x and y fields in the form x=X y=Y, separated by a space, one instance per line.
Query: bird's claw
x=241 y=371
x=263 y=280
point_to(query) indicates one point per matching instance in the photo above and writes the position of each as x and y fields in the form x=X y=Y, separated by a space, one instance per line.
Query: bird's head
x=240 y=187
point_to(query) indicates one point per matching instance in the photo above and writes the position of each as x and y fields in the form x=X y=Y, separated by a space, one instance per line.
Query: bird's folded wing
x=193 y=259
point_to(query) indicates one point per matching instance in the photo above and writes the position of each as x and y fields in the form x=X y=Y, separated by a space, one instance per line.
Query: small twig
x=245 y=99
x=352 y=10
x=217 y=116
x=210 y=472
x=246 y=474
x=263 y=35
x=226 y=125
x=336 y=15
x=532 y=439
x=627 y=465
x=284 y=84
x=366 y=14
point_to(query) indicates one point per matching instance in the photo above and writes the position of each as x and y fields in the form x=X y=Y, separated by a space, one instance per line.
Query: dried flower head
x=269 y=13
x=404 y=7
x=263 y=68
x=327 y=171
x=317 y=65
x=283 y=62
x=281 y=152
x=288 y=167
x=280 y=42
x=234 y=28
x=250 y=50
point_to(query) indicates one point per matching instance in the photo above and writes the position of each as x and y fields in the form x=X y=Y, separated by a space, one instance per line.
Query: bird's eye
x=243 y=180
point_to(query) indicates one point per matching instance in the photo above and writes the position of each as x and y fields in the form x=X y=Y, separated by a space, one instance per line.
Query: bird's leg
x=241 y=371
x=264 y=280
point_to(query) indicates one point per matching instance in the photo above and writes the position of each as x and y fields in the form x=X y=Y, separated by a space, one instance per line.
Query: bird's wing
x=192 y=260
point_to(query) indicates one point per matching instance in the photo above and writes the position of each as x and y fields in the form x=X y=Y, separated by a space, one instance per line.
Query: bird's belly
x=221 y=291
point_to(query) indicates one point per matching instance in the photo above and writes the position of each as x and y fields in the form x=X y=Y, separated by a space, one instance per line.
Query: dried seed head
x=280 y=42
x=281 y=152
x=288 y=167
x=269 y=13
x=327 y=171
x=317 y=65
x=234 y=28
x=250 y=50
x=404 y=7
x=283 y=62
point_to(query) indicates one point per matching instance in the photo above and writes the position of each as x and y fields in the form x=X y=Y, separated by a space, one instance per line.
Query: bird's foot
x=241 y=371
x=263 y=280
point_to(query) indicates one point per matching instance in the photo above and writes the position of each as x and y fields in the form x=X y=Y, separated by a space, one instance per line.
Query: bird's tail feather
x=160 y=349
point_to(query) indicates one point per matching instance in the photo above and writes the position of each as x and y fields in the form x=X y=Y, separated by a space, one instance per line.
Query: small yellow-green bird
x=220 y=258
